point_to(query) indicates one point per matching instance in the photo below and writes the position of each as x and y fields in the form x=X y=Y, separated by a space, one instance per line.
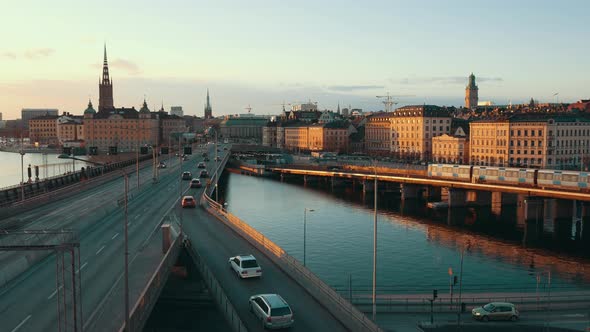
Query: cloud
x=355 y=87
x=38 y=53
x=129 y=66
x=454 y=80
x=10 y=55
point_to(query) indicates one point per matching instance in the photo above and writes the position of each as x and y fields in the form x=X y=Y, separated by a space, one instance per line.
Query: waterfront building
x=120 y=129
x=450 y=149
x=70 y=130
x=177 y=110
x=105 y=86
x=330 y=137
x=208 y=109
x=471 y=93
x=43 y=129
x=269 y=134
x=414 y=126
x=488 y=142
x=378 y=134
x=296 y=136
x=243 y=127
x=29 y=113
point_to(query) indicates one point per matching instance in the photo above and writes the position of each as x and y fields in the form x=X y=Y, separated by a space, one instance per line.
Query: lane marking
x=54 y=292
x=82 y=267
x=21 y=324
x=114 y=236
x=98 y=252
x=137 y=216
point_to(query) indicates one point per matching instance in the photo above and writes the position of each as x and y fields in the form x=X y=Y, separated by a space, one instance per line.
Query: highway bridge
x=31 y=294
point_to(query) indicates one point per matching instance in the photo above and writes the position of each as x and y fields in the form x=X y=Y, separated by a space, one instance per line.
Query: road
x=100 y=224
x=28 y=303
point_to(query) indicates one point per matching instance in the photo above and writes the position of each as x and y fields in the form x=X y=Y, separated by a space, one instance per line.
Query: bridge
x=84 y=288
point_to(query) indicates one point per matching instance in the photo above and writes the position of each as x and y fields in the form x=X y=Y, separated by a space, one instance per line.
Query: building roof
x=244 y=122
x=126 y=113
x=422 y=110
x=45 y=117
x=90 y=109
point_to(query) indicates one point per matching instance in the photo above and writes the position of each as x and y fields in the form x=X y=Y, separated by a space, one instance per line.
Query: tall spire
x=208 y=104
x=208 y=110
x=105 y=68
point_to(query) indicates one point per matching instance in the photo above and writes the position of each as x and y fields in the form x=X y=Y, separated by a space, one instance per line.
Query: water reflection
x=416 y=245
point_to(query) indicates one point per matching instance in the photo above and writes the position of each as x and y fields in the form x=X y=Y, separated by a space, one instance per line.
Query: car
x=496 y=311
x=201 y=165
x=225 y=148
x=184 y=158
x=206 y=159
x=188 y=201
x=204 y=154
x=196 y=183
x=217 y=158
x=245 y=266
x=187 y=175
x=272 y=310
x=162 y=165
x=204 y=174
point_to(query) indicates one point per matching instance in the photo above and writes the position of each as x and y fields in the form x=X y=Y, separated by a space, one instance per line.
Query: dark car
x=201 y=165
x=187 y=176
x=196 y=183
x=206 y=159
x=204 y=174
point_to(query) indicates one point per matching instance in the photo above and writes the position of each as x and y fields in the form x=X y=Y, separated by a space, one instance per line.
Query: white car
x=245 y=266
x=272 y=310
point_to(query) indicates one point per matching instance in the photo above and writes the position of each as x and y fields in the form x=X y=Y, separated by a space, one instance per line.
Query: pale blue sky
x=263 y=52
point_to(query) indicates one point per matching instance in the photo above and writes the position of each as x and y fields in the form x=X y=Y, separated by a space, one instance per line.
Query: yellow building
x=412 y=130
x=378 y=134
x=488 y=142
x=450 y=149
x=297 y=137
x=69 y=129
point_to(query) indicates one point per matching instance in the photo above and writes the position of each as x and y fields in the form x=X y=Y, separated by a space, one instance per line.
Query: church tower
x=105 y=86
x=208 y=110
x=471 y=90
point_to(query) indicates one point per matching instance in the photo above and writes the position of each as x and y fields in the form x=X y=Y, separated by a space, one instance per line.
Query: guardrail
x=149 y=295
x=340 y=308
x=218 y=294
x=421 y=302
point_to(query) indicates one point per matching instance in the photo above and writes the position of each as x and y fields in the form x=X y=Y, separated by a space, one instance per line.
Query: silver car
x=272 y=310
x=496 y=311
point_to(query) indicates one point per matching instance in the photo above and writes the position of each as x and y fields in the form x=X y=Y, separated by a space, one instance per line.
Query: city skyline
x=270 y=53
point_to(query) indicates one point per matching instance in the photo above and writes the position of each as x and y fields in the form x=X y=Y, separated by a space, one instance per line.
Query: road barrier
x=340 y=308
x=150 y=294
x=223 y=303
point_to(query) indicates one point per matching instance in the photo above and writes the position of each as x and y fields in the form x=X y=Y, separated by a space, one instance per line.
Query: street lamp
x=374 y=295
x=304 y=229
x=126 y=226
x=460 y=306
x=22 y=173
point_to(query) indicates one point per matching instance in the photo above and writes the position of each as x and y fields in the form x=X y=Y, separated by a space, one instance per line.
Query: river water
x=415 y=252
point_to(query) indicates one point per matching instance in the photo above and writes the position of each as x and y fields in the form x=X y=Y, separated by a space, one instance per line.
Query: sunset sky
x=261 y=53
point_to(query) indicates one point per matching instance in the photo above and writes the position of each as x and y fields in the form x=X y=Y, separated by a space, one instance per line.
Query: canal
x=416 y=249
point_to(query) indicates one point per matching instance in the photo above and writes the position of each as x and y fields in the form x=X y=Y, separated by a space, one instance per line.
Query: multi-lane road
x=29 y=302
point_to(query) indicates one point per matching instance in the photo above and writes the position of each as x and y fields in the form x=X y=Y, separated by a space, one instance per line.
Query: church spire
x=105 y=68
x=208 y=110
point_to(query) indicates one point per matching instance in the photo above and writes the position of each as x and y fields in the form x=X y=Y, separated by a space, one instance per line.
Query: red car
x=189 y=201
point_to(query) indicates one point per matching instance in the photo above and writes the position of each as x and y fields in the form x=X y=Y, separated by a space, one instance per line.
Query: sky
x=265 y=53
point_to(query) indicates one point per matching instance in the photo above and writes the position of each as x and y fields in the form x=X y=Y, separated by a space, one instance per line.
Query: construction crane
x=389 y=100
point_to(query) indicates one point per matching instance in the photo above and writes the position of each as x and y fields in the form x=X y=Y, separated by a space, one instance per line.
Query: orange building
x=43 y=129
x=120 y=129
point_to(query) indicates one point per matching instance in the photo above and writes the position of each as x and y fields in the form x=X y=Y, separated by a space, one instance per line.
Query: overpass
x=94 y=211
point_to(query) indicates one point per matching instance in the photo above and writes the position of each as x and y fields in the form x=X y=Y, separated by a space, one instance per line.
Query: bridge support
x=558 y=217
x=584 y=226
x=431 y=193
x=456 y=197
x=409 y=191
x=530 y=216
x=479 y=198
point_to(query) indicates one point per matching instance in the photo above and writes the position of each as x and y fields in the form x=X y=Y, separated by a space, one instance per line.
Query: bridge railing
x=218 y=294
x=149 y=295
x=340 y=308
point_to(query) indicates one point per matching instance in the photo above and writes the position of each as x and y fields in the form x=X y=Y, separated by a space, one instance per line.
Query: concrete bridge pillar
x=480 y=198
x=456 y=197
x=432 y=193
x=496 y=203
x=584 y=229
x=530 y=216
x=282 y=177
x=562 y=222
x=409 y=191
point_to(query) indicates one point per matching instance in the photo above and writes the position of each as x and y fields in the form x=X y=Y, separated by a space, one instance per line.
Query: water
x=10 y=167
x=414 y=253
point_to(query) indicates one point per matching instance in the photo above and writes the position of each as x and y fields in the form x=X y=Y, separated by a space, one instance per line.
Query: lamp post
x=305 y=210
x=460 y=306
x=126 y=226
x=374 y=294
x=22 y=174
